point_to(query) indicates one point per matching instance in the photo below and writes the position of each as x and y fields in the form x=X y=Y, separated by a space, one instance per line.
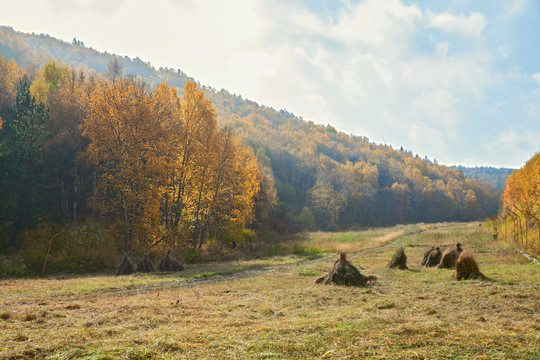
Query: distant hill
x=496 y=177
x=33 y=50
x=324 y=179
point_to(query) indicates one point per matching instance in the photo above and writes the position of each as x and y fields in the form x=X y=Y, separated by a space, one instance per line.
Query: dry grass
x=354 y=241
x=281 y=313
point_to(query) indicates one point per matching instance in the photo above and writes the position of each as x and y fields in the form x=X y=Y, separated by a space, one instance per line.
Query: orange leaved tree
x=129 y=145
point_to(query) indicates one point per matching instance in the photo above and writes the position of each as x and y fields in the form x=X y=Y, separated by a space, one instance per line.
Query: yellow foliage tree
x=213 y=180
x=10 y=75
x=522 y=196
x=128 y=140
x=50 y=79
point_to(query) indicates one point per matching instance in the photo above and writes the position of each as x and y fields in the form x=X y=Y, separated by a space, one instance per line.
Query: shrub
x=70 y=249
x=192 y=256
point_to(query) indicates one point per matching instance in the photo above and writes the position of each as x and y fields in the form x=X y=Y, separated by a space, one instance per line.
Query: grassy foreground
x=272 y=308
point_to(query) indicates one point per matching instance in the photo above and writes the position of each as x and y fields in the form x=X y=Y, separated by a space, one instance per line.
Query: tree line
x=148 y=165
x=326 y=179
x=110 y=156
x=519 y=216
x=319 y=177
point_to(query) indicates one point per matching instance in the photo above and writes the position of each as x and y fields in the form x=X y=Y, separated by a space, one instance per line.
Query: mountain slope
x=324 y=179
x=496 y=177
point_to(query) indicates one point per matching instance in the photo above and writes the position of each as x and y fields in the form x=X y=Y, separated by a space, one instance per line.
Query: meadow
x=270 y=307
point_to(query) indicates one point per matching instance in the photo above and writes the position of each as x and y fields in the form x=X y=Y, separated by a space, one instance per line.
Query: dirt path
x=379 y=244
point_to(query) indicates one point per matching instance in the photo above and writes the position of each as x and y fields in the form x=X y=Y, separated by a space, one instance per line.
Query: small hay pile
x=426 y=255
x=126 y=266
x=145 y=265
x=399 y=260
x=434 y=257
x=345 y=274
x=467 y=268
x=449 y=257
x=168 y=263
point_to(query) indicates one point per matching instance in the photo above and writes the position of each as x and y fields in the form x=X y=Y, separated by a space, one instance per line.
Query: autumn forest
x=120 y=156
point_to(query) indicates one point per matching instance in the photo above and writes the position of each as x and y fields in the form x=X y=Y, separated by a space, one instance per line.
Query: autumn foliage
x=165 y=171
x=140 y=166
x=520 y=214
x=121 y=163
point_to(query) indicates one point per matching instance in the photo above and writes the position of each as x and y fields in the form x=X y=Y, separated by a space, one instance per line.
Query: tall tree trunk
x=94 y=194
x=216 y=190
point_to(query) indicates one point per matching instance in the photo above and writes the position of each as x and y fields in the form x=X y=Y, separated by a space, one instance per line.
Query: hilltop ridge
x=323 y=178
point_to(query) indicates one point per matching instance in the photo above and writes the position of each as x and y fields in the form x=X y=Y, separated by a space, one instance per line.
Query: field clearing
x=272 y=309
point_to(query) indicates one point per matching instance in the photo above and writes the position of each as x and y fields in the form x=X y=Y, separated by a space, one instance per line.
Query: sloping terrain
x=324 y=179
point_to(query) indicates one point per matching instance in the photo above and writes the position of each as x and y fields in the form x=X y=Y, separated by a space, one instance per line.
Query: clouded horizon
x=458 y=81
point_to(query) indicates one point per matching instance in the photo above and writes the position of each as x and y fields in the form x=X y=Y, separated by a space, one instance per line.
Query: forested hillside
x=310 y=176
x=109 y=163
x=496 y=177
x=331 y=179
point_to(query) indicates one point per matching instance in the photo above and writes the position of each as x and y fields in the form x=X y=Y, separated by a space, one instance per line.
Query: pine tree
x=23 y=159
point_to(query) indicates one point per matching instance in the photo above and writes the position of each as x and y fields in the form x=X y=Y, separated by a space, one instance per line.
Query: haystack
x=344 y=273
x=168 y=263
x=434 y=257
x=426 y=255
x=126 y=266
x=399 y=260
x=467 y=268
x=449 y=257
x=145 y=265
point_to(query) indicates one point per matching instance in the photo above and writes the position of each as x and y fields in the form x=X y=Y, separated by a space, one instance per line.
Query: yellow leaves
x=10 y=74
x=49 y=81
x=523 y=186
x=127 y=143
x=164 y=164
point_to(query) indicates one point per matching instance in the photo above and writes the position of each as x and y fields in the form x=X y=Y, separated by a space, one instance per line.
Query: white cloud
x=513 y=8
x=471 y=25
x=504 y=51
x=434 y=139
x=442 y=49
x=371 y=67
x=102 y=7
x=536 y=77
x=374 y=22
x=365 y=65
x=514 y=143
x=439 y=106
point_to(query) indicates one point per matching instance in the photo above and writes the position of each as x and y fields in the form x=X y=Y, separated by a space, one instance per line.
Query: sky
x=457 y=81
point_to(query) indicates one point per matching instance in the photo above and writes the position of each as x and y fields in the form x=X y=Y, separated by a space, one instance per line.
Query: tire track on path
x=382 y=243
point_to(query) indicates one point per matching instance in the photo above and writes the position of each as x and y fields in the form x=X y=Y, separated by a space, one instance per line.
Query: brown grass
x=434 y=257
x=467 y=268
x=283 y=314
x=145 y=265
x=126 y=266
x=448 y=260
x=426 y=255
x=399 y=260
x=169 y=263
x=345 y=274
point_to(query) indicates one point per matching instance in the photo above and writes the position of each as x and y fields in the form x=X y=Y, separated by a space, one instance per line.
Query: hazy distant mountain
x=324 y=178
x=494 y=176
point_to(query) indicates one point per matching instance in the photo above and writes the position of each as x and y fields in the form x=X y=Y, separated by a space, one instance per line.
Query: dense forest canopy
x=523 y=187
x=519 y=215
x=90 y=136
x=496 y=177
x=146 y=164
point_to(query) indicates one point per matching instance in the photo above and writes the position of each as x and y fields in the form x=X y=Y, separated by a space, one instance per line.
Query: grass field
x=271 y=308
